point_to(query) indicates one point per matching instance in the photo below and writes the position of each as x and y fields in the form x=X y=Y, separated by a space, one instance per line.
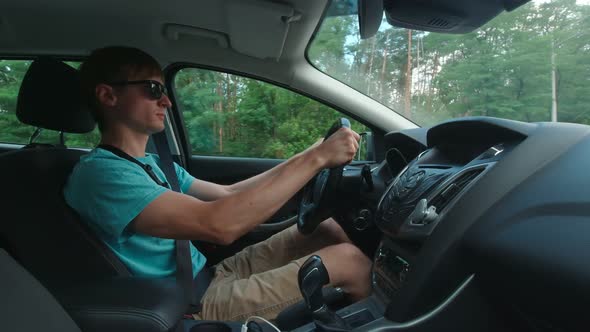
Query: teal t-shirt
x=109 y=192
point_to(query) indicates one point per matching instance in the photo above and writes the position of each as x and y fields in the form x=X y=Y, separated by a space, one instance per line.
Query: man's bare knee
x=329 y=228
x=348 y=268
x=351 y=253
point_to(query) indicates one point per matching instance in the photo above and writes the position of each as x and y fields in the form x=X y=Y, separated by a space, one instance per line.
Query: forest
x=531 y=64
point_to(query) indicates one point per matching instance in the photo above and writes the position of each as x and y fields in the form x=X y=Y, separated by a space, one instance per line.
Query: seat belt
x=184 y=263
x=184 y=266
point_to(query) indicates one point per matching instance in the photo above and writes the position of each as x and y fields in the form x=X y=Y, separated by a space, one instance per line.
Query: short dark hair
x=110 y=64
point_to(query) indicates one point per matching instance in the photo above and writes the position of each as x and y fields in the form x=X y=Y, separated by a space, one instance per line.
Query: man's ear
x=105 y=95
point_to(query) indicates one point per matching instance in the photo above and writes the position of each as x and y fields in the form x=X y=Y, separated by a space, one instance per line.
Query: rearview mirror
x=370 y=14
x=449 y=16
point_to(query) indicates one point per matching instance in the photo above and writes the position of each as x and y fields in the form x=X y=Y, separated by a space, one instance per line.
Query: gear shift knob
x=312 y=277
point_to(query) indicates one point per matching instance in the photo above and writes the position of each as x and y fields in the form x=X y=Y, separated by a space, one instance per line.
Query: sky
x=579 y=2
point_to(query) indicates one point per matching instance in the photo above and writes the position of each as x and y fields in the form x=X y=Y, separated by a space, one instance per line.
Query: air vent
x=438 y=22
x=452 y=189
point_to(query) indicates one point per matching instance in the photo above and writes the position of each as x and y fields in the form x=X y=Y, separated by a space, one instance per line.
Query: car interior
x=472 y=224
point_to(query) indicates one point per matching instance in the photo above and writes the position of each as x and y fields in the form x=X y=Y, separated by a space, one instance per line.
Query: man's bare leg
x=328 y=232
x=250 y=287
x=348 y=268
x=268 y=293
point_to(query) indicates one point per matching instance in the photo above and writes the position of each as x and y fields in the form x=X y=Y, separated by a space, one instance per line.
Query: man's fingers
x=357 y=137
x=343 y=145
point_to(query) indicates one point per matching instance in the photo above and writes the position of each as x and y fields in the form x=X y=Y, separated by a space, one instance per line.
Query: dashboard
x=496 y=206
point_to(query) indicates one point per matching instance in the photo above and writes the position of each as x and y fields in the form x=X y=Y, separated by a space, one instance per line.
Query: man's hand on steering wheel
x=340 y=148
x=320 y=194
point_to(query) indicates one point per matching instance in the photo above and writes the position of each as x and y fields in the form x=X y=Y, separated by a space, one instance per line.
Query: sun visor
x=259 y=28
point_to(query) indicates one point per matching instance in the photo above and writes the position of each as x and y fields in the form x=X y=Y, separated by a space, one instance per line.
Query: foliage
x=12 y=130
x=228 y=115
x=503 y=69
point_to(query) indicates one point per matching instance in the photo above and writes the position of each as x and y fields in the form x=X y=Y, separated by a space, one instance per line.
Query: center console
x=125 y=304
x=391 y=266
x=355 y=315
x=312 y=277
x=130 y=304
x=390 y=269
x=213 y=326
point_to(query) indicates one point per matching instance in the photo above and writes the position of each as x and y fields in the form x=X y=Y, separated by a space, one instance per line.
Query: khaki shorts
x=260 y=280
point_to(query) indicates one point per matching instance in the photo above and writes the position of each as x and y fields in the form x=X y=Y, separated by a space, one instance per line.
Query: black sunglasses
x=154 y=88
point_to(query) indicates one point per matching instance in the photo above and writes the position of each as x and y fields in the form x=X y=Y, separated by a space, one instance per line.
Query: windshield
x=531 y=64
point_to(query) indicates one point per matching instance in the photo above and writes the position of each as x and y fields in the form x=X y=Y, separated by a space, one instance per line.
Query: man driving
x=139 y=218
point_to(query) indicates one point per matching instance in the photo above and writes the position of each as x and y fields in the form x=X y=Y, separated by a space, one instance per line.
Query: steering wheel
x=318 y=201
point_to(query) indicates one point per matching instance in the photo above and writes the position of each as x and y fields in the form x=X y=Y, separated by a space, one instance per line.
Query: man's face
x=141 y=104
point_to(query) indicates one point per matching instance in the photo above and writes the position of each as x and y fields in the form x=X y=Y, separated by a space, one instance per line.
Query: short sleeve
x=185 y=180
x=109 y=194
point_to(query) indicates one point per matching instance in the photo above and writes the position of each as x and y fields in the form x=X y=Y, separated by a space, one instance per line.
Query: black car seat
x=20 y=291
x=38 y=229
x=118 y=305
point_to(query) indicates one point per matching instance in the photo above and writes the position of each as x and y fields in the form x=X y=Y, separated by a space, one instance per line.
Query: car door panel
x=228 y=170
x=9 y=147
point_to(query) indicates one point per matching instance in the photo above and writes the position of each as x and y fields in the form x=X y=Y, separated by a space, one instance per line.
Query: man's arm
x=179 y=216
x=255 y=180
x=209 y=191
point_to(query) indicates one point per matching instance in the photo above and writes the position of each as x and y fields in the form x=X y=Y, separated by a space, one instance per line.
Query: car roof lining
x=65 y=23
x=71 y=29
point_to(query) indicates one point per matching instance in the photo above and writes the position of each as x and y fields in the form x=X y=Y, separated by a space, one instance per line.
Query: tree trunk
x=408 y=89
x=419 y=77
x=383 y=67
x=219 y=108
x=234 y=97
x=431 y=85
x=553 y=84
x=371 y=58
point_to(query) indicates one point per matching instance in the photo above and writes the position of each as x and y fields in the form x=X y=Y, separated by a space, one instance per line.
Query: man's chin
x=157 y=129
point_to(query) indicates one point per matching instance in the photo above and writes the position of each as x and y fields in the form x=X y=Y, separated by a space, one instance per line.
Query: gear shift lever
x=312 y=277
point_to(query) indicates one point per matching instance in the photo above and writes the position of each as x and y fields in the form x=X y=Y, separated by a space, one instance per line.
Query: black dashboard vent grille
x=438 y=22
x=452 y=189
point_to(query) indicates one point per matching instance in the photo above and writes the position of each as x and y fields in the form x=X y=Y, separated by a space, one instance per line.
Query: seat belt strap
x=184 y=264
x=122 y=154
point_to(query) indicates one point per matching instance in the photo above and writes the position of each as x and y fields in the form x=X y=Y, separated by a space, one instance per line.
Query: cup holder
x=211 y=327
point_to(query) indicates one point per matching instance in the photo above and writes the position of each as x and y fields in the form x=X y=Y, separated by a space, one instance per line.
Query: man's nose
x=165 y=101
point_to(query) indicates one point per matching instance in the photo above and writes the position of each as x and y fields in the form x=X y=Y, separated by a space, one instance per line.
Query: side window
x=15 y=132
x=234 y=116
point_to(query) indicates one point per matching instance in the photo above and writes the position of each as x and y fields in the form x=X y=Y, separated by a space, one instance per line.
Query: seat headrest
x=49 y=97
